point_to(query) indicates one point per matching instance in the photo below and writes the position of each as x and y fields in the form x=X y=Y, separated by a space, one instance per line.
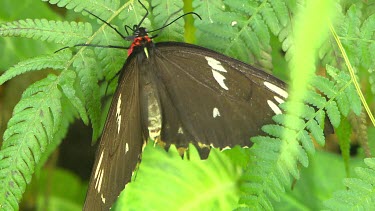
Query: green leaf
x=36 y=119
x=162 y=11
x=239 y=156
x=333 y=113
x=52 y=31
x=53 y=194
x=55 y=61
x=317 y=183
x=316 y=132
x=99 y=7
x=132 y=13
x=360 y=192
x=86 y=70
x=192 y=184
x=235 y=24
x=344 y=132
x=67 y=84
x=18 y=49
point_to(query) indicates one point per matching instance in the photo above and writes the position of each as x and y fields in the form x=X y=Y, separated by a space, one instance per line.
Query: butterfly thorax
x=141 y=42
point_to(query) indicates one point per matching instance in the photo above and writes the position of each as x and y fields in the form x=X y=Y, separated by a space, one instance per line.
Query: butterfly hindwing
x=120 y=144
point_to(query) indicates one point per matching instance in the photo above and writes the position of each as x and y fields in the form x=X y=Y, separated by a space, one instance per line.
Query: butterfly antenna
x=108 y=24
x=165 y=25
x=93 y=45
x=144 y=17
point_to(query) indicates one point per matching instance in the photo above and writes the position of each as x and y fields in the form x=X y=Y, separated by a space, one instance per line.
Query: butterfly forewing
x=120 y=144
x=210 y=99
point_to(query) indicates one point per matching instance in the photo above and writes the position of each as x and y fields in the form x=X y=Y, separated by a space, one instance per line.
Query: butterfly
x=177 y=93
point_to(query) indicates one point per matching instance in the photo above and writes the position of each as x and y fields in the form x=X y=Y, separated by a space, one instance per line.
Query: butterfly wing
x=194 y=95
x=120 y=144
x=210 y=99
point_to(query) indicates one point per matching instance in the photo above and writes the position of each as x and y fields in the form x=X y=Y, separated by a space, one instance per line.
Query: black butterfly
x=177 y=93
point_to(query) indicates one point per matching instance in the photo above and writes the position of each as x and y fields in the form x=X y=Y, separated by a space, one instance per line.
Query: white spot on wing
x=126 y=148
x=216 y=69
x=215 y=112
x=99 y=164
x=276 y=89
x=180 y=131
x=97 y=182
x=118 y=114
x=233 y=23
x=99 y=173
x=274 y=107
x=215 y=64
x=103 y=199
x=279 y=100
x=219 y=79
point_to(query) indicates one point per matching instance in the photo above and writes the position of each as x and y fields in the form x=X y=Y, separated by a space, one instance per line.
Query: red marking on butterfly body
x=139 y=42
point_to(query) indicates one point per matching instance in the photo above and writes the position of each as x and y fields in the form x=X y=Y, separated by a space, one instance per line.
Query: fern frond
x=68 y=33
x=132 y=13
x=330 y=106
x=162 y=11
x=37 y=118
x=55 y=61
x=283 y=155
x=100 y=8
x=84 y=63
x=344 y=132
x=67 y=87
x=349 y=97
x=297 y=124
x=360 y=194
x=234 y=24
x=332 y=92
x=69 y=117
x=111 y=61
x=356 y=34
x=358 y=49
